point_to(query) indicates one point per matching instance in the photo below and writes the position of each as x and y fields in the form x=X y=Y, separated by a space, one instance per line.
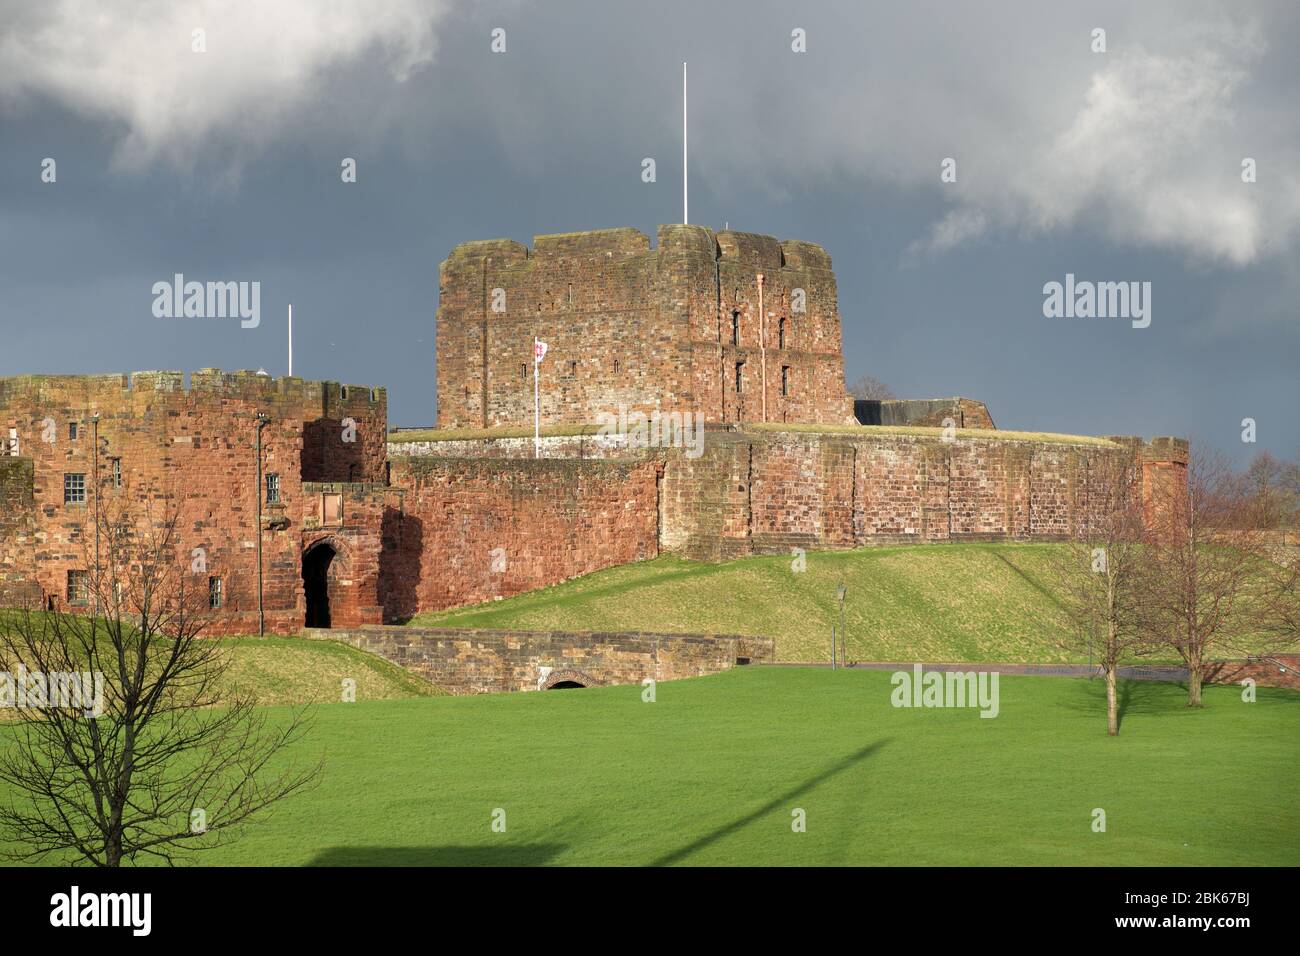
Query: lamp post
x=262 y=421
x=840 y=592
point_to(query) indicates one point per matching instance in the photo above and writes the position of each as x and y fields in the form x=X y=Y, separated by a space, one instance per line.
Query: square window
x=78 y=587
x=74 y=489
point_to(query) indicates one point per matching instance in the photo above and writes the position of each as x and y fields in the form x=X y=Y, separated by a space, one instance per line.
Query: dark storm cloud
x=1122 y=165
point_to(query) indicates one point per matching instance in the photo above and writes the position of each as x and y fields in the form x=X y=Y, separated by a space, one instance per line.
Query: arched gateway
x=316 y=563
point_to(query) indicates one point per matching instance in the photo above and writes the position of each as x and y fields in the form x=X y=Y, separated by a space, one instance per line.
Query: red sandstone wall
x=647 y=329
x=17 y=527
x=752 y=493
x=192 y=448
x=551 y=520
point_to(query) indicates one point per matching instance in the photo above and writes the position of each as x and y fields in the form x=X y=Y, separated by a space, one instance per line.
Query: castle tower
x=733 y=325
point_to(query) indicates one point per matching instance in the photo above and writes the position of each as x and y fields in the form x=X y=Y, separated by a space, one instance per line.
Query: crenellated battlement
x=154 y=385
x=729 y=245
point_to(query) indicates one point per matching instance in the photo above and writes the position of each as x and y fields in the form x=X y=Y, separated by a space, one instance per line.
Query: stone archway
x=567 y=679
x=317 y=562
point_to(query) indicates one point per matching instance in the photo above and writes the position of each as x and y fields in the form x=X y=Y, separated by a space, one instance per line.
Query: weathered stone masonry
x=476 y=662
x=768 y=492
x=360 y=529
x=674 y=328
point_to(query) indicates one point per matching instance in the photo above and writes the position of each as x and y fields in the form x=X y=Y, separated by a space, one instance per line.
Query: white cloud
x=1141 y=145
x=131 y=63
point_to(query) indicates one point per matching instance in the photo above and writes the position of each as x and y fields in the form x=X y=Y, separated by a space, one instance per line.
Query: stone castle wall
x=639 y=328
x=164 y=446
x=767 y=492
x=467 y=530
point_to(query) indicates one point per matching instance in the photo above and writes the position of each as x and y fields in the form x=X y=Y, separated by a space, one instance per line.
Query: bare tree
x=152 y=753
x=1103 y=573
x=1209 y=566
x=1268 y=482
x=867 y=386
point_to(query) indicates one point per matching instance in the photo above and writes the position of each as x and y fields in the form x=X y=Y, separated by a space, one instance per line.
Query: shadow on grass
x=1133 y=697
x=676 y=856
x=529 y=854
x=1030 y=580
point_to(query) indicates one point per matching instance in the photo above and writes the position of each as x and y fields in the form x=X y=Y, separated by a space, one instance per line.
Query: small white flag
x=539 y=351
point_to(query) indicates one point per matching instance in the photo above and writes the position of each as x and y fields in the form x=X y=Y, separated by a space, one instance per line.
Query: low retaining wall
x=479 y=662
x=1279 y=670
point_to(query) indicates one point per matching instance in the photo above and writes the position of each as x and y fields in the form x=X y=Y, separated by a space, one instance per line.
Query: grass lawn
x=290 y=670
x=710 y=772
x=941 y=602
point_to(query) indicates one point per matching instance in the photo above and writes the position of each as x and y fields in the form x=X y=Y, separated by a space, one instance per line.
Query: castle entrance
x=315 y=580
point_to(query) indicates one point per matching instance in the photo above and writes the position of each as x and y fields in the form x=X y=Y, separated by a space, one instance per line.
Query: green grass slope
x=949 y=602
x=290 y=670
x=711 y=772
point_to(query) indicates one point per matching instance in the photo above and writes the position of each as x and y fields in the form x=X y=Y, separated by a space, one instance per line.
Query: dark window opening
x=742 y=661
x=785 y=380
x=523 y=371
x=740 y=377
x=343 y=392
x=735 y=327
x=315 y=580
x=72 y=431
x=780 y=334
x=215 y=594
x=565 y=685
x=272 y=489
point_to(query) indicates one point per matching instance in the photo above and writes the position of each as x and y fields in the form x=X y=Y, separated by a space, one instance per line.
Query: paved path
x=1164 y=672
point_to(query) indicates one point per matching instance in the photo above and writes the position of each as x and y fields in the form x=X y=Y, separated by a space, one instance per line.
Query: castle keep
x=359 y=526
x=735 y=326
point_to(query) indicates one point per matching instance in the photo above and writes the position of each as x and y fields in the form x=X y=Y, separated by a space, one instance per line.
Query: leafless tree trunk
x=1211 y=570
x=152 y=753
x=1102 y=572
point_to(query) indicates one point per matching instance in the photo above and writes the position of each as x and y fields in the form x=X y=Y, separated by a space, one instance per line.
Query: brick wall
x=1281 y=670
x=641 y=328
x=477 y=662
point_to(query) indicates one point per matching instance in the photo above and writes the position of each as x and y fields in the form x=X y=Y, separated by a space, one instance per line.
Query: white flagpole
x=291 y=340
x=537 y=408
x=685 y=206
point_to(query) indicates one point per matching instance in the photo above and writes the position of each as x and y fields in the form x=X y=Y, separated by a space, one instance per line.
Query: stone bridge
x=488 y=661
